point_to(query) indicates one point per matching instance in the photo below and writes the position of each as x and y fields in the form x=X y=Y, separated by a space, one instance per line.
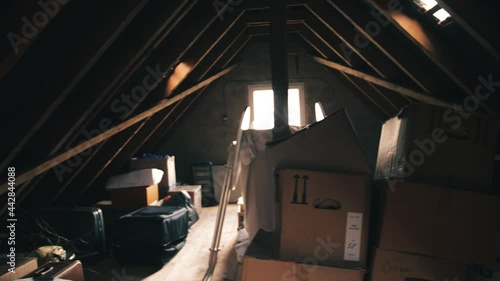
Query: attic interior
x=369 y=151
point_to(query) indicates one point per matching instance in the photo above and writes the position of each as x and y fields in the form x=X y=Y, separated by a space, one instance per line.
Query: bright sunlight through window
x=319 y=112
x=441 y=14
x=426 y=4
x=262 y=106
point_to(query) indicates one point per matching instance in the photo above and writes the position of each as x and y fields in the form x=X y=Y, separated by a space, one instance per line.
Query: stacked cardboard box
x=322 y=222
x=167 y=165
x=433 y=213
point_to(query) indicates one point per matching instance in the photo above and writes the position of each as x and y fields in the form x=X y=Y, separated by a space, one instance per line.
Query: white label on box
x=353 y=236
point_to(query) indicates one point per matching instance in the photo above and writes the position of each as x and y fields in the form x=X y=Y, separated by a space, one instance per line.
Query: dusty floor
x=190 y=263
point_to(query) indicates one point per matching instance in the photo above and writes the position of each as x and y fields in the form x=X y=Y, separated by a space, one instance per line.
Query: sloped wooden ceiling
x=72 y=70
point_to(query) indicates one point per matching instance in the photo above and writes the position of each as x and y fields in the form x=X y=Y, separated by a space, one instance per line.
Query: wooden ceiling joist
x=25 y=176
x=409 y=64
x=389 y=85
x=54 y=91
x=210 y=42
x=73 y=117
x=455 y=67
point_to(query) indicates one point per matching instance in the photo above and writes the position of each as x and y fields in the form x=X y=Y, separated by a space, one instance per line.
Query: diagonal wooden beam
x=433 y=46
x=193 y=59
x=151 y=27
x=166 y=55
x=342 y=29
x=42 y=107
x=134 y=120
x=389 y=85
x=360 y=17
x=120 y=65
x=396 y=101
x=368 y=95
x=157 y=126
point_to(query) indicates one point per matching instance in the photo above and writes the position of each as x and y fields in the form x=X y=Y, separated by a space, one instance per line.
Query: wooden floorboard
x=190 y=263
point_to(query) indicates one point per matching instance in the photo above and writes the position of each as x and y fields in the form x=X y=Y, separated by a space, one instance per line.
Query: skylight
x=426 y=4
x=441 y=15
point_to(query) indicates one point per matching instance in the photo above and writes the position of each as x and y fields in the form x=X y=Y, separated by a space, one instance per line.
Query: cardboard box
x=194 y=192
x=134 y=197
x=394 y=266
x=167 y=165
x=259 y=264
x=328 y=145
x=434 y=145
x=435 y=221
x=24 y=265
x=321 y=213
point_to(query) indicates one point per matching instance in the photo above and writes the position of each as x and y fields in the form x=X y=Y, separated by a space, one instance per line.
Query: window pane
x=426 y=4
x=263 y=108
x=294 y=107
x=318 y=111
x=441 y=14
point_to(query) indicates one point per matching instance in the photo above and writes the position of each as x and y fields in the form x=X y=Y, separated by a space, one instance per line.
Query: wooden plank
x=155 y=129
x=84 y=146
x=175 y=53
x=56 y=91
x=360 y=17
x=389 y=85
x=479 y=21
x=437 y=50
x=365 y=98
x=323 y=33
x=150 y=27
x=279 y=68
x=120 y=65
x=342 y=29
x=194 y=58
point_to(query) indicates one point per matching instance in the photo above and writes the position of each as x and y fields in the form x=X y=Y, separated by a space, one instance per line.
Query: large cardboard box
x=436 y=221
x=394 y=266
x=167 y=165
x=329 y=145
x=134 y=197
x=434 y=145
x=259 y=265
x=323 y=214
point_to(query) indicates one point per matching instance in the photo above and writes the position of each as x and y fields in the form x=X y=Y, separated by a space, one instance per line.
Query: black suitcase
x=68 y=270
x=154 y=226
x=151 y=235
x=83 y=226
x=180 y=200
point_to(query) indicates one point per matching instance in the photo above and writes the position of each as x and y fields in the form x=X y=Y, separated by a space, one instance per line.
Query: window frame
x=268 y=86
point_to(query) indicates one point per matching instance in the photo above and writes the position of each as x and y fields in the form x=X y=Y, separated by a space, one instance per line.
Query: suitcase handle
x=43 y=271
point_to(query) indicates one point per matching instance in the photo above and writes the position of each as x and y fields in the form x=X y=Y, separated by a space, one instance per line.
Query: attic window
x=431 y=7
x=426 y=5
x=261 y=100
x=441 y=15
x=319 y=112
